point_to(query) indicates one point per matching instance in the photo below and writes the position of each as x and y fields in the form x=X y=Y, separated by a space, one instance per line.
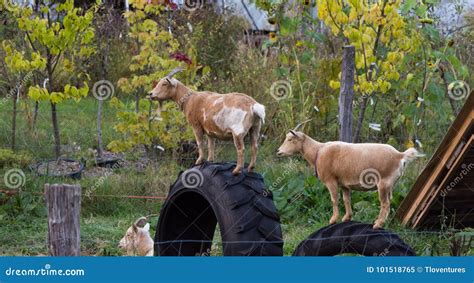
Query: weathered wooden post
x=64 y=207
x=346 y=94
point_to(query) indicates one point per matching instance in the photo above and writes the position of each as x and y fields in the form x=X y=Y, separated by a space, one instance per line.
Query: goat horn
x=174 y=72
x=300 y=124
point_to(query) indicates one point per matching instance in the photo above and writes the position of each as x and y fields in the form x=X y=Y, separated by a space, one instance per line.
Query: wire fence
x=347 y=244
x=17 y=192
x=217 y=244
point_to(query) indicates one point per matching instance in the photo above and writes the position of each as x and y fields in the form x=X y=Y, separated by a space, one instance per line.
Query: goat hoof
x=250 y=168
x=377 y=226
x=236 y=171
x=332 y=221
x=346 y=218
x=199 y=161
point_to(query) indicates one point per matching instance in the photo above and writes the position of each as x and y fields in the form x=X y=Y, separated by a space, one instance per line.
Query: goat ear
x=140 y=222
x=172 y=82
x=147 y=227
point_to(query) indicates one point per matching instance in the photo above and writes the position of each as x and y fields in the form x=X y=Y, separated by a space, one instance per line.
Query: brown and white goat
x=137 y=239
x=363 y=166
x=219 y=116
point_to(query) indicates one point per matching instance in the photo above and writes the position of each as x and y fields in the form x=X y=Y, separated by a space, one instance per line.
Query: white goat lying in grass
x=364 y=166
x=137 y=240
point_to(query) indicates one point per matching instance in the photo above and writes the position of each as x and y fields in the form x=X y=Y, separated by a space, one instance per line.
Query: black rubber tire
x=355 y=238
x=208 y=194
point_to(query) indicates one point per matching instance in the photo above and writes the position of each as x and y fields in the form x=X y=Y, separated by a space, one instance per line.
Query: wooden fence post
x=346 y=94
x=64 y=207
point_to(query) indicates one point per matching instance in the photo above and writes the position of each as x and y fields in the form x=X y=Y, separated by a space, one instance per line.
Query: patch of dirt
x=95 y=172
x=58 y=168
x=139 y=165
x=107 y=155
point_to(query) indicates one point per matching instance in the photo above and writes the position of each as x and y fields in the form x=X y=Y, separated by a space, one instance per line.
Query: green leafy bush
x=9 y=158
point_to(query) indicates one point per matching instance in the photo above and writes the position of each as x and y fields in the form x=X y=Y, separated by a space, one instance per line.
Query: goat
x=219 y=116
x=364 y=166
x=137 y=240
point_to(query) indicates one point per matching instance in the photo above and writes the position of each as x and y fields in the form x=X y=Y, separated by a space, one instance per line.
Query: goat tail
x=411 y=154
x=259 y=110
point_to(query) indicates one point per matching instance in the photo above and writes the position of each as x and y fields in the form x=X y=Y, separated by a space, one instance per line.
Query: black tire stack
x=208 y=194
x=354 y=238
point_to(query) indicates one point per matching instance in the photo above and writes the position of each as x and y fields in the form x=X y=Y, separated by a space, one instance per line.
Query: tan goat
x=219 y=116
x=364 y=166
x=137 y=240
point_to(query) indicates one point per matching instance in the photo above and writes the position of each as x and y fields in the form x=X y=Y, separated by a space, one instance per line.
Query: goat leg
x=199 y=133
x=210 y=148
x=239 y=145
x=346 y=195
x=384 y=197
x=254 y=133
x=332 y=187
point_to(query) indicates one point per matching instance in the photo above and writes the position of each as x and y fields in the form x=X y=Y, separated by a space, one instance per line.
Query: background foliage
x=405 y=59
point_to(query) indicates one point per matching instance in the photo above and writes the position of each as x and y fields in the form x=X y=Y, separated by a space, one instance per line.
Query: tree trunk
x=452 y=103
x=57 y=141
x=100 y=148
x=15 y=95
x=360 y=119
x=54 y=117
x=64 y=209
x=35 y=115
x=346 y=94
x=99 y=129
x=137 y=102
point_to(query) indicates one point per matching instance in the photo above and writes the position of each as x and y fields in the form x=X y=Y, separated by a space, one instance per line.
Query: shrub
x=9 y=158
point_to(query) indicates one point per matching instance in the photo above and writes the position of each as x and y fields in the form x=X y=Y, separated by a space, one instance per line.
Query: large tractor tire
x=353 y=238
x=207 y=194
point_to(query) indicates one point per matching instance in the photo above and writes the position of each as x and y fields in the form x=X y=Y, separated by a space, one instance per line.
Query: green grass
x=77 y=124
x=302 y=201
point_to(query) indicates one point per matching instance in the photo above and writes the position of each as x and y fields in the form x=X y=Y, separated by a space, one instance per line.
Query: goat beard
x=157 y=114
x=159 y=109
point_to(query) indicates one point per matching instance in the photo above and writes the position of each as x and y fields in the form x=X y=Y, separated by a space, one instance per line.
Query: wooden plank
x=422 y=197
x=407 y=209
x=443 y=184
x=64 y=207
x=456 y=153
